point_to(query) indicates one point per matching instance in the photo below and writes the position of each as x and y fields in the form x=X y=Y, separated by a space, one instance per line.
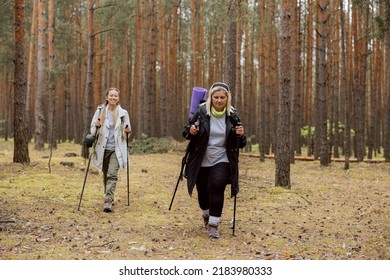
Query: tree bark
x=231 y=46
x=309 y=80
x=89 y=77
x=40 y=120
x=344 y=92
x=52 y=129
x=322 y=34
x=294 y=80
x=21 y=154
x=282 y=160
x=31 y=71
x=387 y=84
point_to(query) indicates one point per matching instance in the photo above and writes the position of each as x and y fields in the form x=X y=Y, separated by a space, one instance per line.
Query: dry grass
x=327 y=214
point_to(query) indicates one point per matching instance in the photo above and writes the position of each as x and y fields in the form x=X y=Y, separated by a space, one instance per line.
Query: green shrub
x=149 y=145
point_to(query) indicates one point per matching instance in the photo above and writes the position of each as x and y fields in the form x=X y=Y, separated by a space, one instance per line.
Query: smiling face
x=219 y=100
x=112 y=97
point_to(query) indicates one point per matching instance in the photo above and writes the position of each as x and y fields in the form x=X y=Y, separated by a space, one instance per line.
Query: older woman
x=216 y=134
x=111 y=149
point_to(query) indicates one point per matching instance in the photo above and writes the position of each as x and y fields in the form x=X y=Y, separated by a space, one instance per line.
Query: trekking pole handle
x=98 y=126
x=237 y=125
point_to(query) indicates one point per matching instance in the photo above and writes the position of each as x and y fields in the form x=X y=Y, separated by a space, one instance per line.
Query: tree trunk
x=357 y=90
x=336 y=79
x=138 y=71
x=344 y=92
x=196 y=43
x=274 y=98
x=231 y=46
x=31 y=71
x=40 y=121
x=282 y=160
x=150 y=81
x=98 y=62
x=294 y=80
x=386 y=109
x=316 y=106
x=89 y=77
x=52 y=129
x=20 y=88
x=263 y=90
x=322 y=81
x=309 y=79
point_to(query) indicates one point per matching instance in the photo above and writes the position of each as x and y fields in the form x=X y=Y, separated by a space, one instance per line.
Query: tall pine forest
x=332 y=76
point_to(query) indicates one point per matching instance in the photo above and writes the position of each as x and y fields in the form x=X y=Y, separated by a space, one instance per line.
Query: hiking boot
x=107 y=204
x=205 y=220
x=213 y=231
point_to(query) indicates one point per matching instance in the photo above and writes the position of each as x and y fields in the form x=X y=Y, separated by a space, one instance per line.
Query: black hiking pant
x=211 y=184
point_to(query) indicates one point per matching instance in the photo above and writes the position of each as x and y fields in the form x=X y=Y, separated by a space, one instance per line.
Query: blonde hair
x=217 y=87
x=103 y=113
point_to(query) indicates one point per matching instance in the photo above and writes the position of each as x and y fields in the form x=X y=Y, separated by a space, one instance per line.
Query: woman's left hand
x=128 y=129
x=239 y=130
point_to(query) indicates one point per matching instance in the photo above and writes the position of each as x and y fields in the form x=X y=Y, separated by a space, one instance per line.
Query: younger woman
x=111 y=153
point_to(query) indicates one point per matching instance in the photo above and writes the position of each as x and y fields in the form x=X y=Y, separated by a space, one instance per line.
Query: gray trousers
x=110 y=173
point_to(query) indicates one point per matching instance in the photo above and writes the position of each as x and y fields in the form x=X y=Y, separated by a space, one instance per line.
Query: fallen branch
x=7 y=220
x=308 y=201
x=102 y=245
x=301 y=158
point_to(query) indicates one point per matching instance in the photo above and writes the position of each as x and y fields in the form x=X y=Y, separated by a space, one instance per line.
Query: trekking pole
x=128 y=187
x=235 y=196
x=234 y=214
x=183 y=163
x=86 y=172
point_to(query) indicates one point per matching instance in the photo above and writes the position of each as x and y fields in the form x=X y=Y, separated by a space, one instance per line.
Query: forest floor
x=328 y=214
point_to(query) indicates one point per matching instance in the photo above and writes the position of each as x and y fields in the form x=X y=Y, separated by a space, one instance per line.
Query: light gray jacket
x=120 y=144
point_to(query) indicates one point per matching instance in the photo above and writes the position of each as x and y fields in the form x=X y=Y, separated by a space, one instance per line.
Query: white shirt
x=111 y=138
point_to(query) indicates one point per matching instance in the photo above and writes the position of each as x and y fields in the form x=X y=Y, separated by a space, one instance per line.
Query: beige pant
x=110 y=173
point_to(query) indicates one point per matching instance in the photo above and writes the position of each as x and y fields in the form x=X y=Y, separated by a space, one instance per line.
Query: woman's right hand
x=98 y=123
x=194 y=130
